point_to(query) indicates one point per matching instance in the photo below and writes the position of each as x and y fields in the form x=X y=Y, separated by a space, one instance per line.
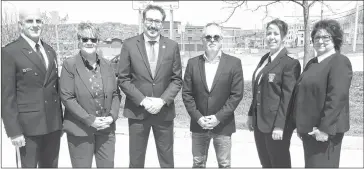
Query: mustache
x=152 y=28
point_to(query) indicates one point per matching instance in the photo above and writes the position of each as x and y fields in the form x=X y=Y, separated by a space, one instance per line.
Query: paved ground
x=244 y=153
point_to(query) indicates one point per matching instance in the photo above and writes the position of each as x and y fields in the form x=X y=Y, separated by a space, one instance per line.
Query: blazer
x=30 y=100
x=135 y=77
x=76 y=95
x=321 y=96
x=272 y=94
x=225 y=95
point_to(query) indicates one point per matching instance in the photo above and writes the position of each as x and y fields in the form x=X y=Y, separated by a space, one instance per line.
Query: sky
x=194 y=12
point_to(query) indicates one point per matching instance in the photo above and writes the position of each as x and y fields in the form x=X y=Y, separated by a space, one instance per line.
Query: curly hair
x=86 y=29
x=333 y=28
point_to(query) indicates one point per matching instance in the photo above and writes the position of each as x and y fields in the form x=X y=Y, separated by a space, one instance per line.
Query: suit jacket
x=79 y=102
x=135 y=77
x=321 y=96
x=272 y=94
x=30 y=99
x=225 y=95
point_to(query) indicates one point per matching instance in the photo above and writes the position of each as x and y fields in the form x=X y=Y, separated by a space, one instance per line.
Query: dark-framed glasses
x=85 y=40
x=150 y=21
x=215 y=37
x=325 y=38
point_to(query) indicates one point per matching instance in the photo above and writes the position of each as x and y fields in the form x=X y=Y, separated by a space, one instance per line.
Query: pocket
x=30 y=107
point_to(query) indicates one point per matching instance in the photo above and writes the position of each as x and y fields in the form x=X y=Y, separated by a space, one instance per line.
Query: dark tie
x=313 y=60
x=269 y=59
x=37 y=48
x=152 y=58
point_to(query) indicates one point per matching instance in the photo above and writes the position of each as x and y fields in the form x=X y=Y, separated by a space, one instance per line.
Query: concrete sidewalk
x=244 y=153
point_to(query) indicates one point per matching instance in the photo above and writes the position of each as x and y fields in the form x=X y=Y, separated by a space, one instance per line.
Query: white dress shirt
x=148 y=47
x=272 y=57
x=211 y=68
x=32 y=44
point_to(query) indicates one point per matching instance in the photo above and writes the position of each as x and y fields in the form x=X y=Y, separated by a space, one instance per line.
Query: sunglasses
x=93 y=40
x=215 y=37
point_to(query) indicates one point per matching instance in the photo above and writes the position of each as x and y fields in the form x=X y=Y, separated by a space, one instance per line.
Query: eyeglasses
x=85 y=40
x=150 y=21
x=31 y=21
x=325 y=38
x=215 y=37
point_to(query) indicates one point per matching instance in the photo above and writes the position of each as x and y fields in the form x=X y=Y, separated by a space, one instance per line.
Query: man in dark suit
x=31 y=107
x=150 y=75
x=212 y=89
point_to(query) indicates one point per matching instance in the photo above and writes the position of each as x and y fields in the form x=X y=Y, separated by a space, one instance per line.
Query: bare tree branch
x=266 y=6
x=238 y=4
x=313 y=2
x=328 y=7
x=301 y=4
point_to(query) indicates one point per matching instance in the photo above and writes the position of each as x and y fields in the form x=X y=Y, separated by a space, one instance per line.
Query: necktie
x=313 y=60
x=37 y=48
x=152 y=58
x=269 y=59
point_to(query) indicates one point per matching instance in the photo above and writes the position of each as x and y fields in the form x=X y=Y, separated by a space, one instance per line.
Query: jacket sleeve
x=188 y=96
x=291 y=73
x=176 y=79
x=236 y=94
x=124 y=77
x=9 y=107
x=115 y=105
x=68 y=95
x=337 y=94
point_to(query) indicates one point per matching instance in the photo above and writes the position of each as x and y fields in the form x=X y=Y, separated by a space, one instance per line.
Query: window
x=189 y=38
x=166 y=31
x=189 y=31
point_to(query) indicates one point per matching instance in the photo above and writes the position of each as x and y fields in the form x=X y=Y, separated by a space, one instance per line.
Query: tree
x=9 y=25
x=234 y=5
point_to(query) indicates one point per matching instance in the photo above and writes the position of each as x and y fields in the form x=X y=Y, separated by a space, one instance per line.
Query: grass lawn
x=182 y=119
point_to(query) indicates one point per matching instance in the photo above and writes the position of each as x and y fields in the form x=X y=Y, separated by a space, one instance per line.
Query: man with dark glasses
x=31 y=106
x=212 y=89
x=150 y=75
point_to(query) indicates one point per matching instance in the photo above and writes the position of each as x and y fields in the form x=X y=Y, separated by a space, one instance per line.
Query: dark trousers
x=200 y=149
x=138 y=139
x=273 y=153
x=322 y=154
x=41 y=151
x=82 y=150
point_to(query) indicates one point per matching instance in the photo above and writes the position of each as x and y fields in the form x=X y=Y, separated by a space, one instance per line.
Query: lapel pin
x=26 y=69
x=30 y=52
x=163 y=46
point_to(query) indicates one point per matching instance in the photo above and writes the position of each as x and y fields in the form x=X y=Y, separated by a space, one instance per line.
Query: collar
x=216 y=59
x=325 y=55
x=87 y=63
x=146 y=38
x=274 y=55
x=31 y=42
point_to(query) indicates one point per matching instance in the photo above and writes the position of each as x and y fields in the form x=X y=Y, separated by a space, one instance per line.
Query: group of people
x=315 y=101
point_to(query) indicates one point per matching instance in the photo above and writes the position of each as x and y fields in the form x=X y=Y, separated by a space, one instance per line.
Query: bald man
x=31 y=107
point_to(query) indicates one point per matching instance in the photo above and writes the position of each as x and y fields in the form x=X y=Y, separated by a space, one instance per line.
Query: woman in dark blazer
x=273 y=82
x=320 y=101
x=91 y=98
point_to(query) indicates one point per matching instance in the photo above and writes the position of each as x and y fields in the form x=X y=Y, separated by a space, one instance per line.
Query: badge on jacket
x=27 y=69
x=271 y=77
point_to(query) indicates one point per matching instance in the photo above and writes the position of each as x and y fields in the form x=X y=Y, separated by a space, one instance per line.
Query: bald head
x=29 y=12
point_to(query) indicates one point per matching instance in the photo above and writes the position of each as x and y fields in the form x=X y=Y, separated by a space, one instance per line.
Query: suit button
x=45 y=101
x=258 y=104
x=105 y=96
x=258 y=91
x=153 y=84
x=54 y=86
x=55 y=100
x=36 y=73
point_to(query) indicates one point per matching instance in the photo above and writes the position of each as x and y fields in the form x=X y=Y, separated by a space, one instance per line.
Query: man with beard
x=150 y=75
x=31 y=107
x=212 y=89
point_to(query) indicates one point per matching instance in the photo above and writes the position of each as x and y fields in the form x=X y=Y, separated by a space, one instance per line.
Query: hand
x=107 y=121
x=98 y=123
x=147 y=103
x=202 y=122
x=249 y=123
x=277 y=133
x=156 y=106
x=212 y=122
x=320 y=136
x=18 y=141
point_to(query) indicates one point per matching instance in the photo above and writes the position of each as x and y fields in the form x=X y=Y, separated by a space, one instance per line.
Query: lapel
x=273 y=64
x=219 y=70
x=201 y=65
x=51 y=62
x=82 y=72
x=255 y=71
x=104 y=75
x=162 y=48
x=143 y=53
x=31 y=55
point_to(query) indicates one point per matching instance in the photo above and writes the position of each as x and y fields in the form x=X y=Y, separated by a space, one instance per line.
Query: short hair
x=211 y=24
x=154 y=7
x=87 y=28
x=333 y=28
x=282 y=26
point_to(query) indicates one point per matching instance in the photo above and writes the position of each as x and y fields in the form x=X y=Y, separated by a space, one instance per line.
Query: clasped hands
x=319 y=135
x=208 y=122
x=101 y=123
x=152 y=104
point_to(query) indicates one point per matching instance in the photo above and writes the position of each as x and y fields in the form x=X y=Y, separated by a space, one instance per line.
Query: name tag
x=27 y=70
